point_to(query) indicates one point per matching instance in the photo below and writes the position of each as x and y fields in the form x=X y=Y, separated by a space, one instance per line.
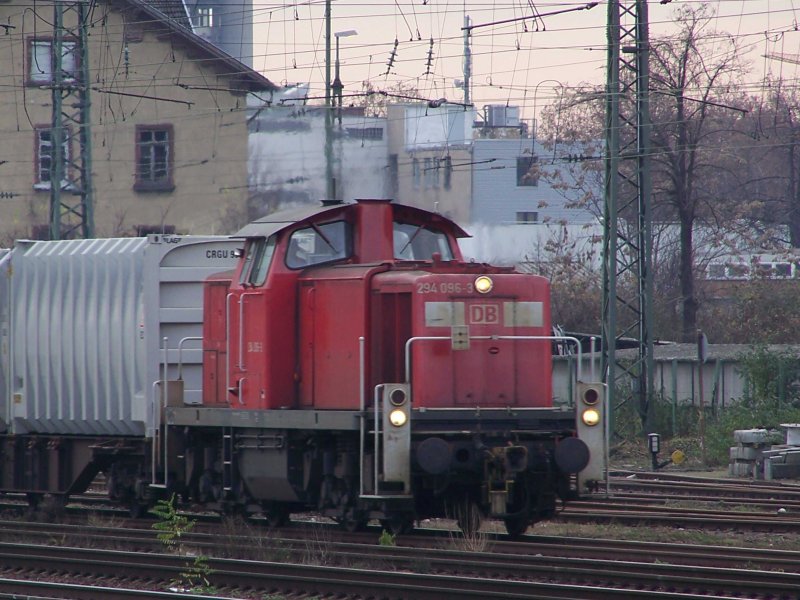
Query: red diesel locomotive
x=354 y=364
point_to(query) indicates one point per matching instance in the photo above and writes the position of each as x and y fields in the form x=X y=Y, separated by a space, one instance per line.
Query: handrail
x=156 y=427
x=241 y=389
x=165 y=400
x=362 y=402
x=228 y=347
x=190 y=338
x=568 y=338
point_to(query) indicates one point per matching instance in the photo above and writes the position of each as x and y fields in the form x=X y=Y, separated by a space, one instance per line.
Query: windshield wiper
x=412 y=238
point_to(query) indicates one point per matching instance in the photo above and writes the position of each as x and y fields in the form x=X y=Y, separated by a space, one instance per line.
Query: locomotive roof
x=275 y=222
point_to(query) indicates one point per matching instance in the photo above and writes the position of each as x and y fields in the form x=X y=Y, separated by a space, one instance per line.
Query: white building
x=288 y=162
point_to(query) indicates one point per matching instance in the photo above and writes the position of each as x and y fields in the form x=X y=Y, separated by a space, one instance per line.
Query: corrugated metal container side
x=5 y=274
x=91 y=323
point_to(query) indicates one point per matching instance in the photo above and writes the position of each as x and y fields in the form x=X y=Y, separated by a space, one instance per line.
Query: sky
x=521 y=63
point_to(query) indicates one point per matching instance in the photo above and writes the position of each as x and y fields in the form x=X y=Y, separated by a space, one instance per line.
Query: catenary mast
x=71 y=203
x=627 y=225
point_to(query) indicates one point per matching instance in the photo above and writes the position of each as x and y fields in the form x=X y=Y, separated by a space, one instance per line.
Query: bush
x=772 y=397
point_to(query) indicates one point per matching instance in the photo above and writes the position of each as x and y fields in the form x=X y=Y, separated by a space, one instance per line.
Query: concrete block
x=745 y=453
x=741 y=469
x=751 y=436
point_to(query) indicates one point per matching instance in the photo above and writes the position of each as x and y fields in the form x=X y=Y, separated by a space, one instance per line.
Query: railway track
x=541 y=568
x=597 y=512
x=675 y=486
x=461 y=575
x=656 y=499
x=296 y=542
x=278 y=565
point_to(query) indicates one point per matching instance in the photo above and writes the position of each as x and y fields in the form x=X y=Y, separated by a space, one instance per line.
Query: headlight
x=398 y=417
x=591 y=396
x=483 y=284
x=397 y=397
x=590 y=417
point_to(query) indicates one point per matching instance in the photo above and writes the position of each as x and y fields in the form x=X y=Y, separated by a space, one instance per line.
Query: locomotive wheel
x=276 y=515
x=353 y=525
x=57 y=505
x=516 y=526
x=34 y=500
x=398 y=524
x=137 y=510
x=353 y=521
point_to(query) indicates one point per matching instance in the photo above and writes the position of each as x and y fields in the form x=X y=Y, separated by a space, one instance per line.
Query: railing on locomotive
x=559 y=338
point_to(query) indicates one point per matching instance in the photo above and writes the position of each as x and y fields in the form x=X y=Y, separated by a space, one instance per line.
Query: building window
x=527 y=174
x=204 y=16
x=43 y=159
x=40 y=61
x=365 y=133
x=415 y=173
x=527 y=216
x=431 y=173
x=154 y=158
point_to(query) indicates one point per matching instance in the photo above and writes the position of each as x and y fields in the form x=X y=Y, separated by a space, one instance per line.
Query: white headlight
x=483 y=284
x=398 y=417
x=590 y=417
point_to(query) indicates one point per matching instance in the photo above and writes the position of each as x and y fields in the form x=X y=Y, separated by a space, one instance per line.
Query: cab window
x=257 y=261
x=318 y=244
x=418 y=242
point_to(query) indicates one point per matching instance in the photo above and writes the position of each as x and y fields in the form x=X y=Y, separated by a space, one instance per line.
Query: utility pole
x=627 y=225
x=71 y=203
x=330 y=183
x=467 y=60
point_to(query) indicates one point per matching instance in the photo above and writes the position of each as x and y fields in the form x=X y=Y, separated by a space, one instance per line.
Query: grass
x=259 y=542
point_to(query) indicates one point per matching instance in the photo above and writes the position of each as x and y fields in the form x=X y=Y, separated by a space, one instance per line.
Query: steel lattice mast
x=627 y=233
x=71 y=205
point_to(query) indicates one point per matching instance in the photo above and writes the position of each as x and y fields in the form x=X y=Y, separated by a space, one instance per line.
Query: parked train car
x=353 y=363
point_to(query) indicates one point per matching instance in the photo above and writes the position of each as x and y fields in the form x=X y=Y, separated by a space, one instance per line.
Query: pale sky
x=513 y=63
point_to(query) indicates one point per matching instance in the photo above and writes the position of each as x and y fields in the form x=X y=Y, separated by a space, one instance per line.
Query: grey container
x=4 y=258
x=89 y=327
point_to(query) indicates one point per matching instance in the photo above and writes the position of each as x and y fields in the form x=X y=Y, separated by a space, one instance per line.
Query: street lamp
x=337 y=82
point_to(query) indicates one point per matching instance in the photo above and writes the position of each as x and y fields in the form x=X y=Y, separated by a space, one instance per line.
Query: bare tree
x=375 y=100
x=776 y=155
x=699 y=148
x=694 y=75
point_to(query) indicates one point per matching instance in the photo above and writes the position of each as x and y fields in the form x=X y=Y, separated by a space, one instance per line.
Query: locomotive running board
x=341 y=420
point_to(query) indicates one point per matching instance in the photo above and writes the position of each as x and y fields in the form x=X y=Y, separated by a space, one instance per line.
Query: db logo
x=484 y=313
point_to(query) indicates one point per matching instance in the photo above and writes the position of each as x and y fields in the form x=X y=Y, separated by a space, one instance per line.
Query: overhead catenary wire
x=506 y=97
